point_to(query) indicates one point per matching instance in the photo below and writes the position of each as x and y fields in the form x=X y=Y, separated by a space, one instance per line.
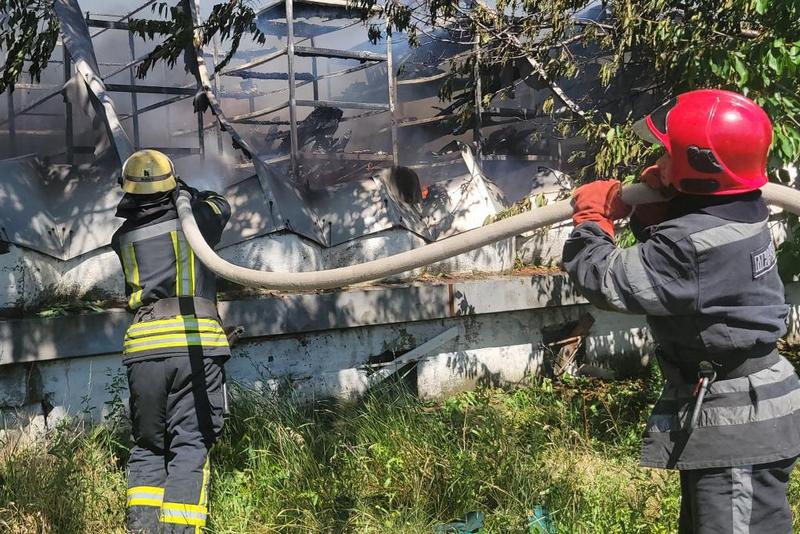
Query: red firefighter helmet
x=718 y=141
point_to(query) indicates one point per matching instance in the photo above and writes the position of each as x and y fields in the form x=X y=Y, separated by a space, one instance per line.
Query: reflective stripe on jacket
x=707 y=280
x=159 y=265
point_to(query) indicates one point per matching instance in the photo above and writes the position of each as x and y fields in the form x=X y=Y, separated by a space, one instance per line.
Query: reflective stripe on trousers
x=192 y=515
x=145 y=496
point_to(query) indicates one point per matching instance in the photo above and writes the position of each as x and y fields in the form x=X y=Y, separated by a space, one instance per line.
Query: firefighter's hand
x=654 y=213
x=183 y=186
x=234 y=334
x=599 y=202
x=651 y=177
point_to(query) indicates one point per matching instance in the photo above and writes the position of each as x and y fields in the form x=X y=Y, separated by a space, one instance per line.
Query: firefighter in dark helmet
x=174 y=350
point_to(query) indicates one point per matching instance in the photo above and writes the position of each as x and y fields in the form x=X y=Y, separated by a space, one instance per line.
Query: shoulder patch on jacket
x=763 y=261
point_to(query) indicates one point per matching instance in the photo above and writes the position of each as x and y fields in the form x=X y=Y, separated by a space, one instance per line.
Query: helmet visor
x=653 y=127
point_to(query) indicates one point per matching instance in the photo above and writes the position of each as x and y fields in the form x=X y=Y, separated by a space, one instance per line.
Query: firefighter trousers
x=736 y=500
x=177 y=406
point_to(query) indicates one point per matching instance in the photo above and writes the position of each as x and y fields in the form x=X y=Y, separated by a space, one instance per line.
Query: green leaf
x=741 y=70
x=772 y=61
x=761 y=6
x=786 y=146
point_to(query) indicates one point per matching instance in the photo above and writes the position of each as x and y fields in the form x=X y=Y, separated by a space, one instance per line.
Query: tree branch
x=537 y=66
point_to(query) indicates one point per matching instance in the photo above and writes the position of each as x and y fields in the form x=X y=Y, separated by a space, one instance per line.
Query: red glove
x=599 y=202
x=655 y=213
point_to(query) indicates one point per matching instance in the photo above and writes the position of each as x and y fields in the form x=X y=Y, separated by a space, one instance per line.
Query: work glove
x=234 y=334
x=655 y=213
x=183 y=186
x=599 y=202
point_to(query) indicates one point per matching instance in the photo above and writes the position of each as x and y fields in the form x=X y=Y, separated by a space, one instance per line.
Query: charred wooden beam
x=425 y=79
x=178 y=150
x=291 y=50
x=392 y=98
x=33 y=133
x=243 y=117
x=30 y=107
x=276 y=159
x=150 y=89
x=43 y=114
x=157 y=105
x=312 y=8
x=522 y=113
x=342 y=105
x=201 y=140
x=301 y=29
x=107 y=24
x=12 y=126
x=346 y=156
x=193 y=131
x=126 y=16
x=134 y=98
x=68 y=127
x=37 y=86
x=344 y=71
x=427 y=120
x=311 y=51
x=220 y=147
x=517 y=157
x=315 y=82
x=256 y=62
x=477 y=134
x=249 y=74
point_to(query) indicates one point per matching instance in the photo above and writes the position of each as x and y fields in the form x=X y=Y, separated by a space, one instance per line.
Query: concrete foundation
x=321 y=345
x=329 y=345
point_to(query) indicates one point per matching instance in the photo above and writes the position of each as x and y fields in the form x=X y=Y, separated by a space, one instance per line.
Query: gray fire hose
x=776 y=195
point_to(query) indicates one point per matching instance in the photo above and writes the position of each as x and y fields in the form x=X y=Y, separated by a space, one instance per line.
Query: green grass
x=389 y=463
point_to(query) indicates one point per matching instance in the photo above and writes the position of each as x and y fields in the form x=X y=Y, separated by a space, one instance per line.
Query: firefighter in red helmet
x=704 y=273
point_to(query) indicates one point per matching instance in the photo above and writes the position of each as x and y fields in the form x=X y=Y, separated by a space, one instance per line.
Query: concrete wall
x=320 y=345
x=329 y=344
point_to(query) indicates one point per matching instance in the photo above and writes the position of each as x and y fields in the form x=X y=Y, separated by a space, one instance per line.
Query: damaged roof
x=69 y=209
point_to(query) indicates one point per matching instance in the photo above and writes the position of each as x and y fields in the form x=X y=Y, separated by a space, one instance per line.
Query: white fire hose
x=777 y=195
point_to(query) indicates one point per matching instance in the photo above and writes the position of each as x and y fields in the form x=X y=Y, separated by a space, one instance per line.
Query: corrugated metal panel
x=60 y=211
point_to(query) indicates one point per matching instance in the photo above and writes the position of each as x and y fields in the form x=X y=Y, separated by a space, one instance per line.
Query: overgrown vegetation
x=387 y=464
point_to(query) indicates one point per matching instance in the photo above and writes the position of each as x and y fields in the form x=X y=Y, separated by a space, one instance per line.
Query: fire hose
x=776 y=195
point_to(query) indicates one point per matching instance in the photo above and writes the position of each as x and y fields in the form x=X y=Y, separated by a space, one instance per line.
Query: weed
x=386 y=463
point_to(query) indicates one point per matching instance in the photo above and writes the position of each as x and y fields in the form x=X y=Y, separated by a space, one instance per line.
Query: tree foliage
x=29 y=32
x=230 y=21
x=664 y=47
x=749 y=46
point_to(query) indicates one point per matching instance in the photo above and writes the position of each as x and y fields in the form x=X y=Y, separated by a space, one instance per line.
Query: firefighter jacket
x=707 y=280
x=172 y=295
